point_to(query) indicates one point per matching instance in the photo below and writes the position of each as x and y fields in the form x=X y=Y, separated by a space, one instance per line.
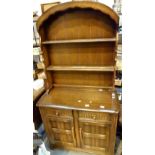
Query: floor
x=60 y=152
x=44 y=150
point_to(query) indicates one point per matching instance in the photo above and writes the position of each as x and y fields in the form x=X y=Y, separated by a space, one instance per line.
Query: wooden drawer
x=59 y=112
x=95 y=116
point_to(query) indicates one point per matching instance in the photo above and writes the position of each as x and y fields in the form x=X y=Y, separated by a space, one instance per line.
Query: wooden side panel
x=89 y=54
x=78 y=23
x=113 y=133
x=48 y=80
x=46 y=125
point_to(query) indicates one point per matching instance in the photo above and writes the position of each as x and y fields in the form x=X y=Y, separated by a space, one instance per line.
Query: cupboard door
x=94 y=135
x=62 y=131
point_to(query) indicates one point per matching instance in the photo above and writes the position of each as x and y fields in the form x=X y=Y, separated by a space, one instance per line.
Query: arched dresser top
x=82 y=5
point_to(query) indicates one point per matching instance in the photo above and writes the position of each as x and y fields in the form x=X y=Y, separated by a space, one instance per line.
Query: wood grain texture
x=89 y=24
x=83 y=78
x=89 y=54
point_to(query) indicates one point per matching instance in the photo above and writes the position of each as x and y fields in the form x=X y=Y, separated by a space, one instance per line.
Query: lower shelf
x=81 y=68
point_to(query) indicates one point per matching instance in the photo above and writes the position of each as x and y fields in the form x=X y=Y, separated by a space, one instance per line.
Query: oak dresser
x=80 y=107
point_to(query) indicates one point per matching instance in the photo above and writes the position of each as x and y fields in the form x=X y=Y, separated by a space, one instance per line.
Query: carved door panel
x=62 y=131
x=94 y=131
x=94 y=136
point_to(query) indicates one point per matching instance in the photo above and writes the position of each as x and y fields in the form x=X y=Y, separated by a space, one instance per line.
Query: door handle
x=74 y=140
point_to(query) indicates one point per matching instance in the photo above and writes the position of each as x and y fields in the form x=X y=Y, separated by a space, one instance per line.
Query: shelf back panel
x=91 y=54
x=79 y=24
x=83 y=78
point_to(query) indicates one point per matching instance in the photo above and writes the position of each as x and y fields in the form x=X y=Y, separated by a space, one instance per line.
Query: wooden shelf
x=80 y=41
x=83 y=86
x=81 y=68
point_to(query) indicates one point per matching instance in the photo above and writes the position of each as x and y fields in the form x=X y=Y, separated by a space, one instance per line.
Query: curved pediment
x=77 y=5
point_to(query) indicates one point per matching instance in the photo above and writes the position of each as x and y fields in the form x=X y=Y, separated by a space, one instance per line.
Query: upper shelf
x=81 y=68
x=80 y=41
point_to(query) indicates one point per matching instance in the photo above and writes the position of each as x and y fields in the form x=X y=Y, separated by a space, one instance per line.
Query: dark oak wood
x=83 y=78
x=81 y=99
x=80 y=107
x=84 y=54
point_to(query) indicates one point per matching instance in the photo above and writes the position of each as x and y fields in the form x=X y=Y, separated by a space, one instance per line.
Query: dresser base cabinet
x=92 y=132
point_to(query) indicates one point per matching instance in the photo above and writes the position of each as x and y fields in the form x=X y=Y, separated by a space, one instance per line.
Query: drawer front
x=95 y=116
x=59 y=112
